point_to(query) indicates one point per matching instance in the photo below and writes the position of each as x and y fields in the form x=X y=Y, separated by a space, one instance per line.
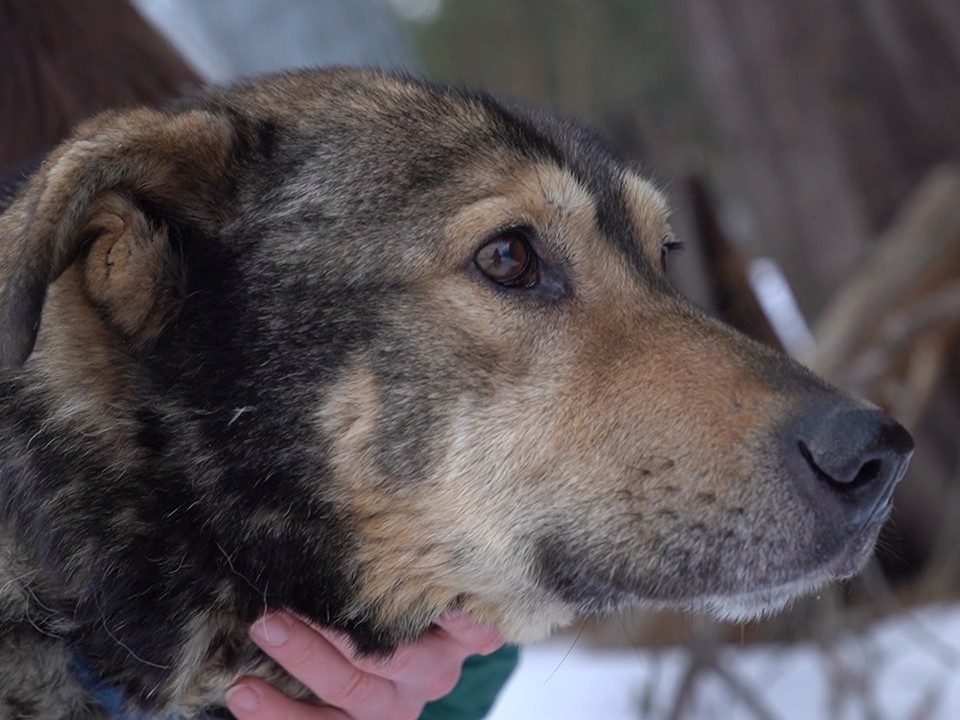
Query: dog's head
x=371 y=349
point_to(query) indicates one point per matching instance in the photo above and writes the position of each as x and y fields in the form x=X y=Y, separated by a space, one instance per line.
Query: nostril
x=869 y=472
x=854 y=456
x=849 y=478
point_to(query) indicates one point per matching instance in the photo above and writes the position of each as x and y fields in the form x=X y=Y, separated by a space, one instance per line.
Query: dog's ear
x=109 y=195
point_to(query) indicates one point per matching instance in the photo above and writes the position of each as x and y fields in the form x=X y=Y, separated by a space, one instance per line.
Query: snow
x=905 y=667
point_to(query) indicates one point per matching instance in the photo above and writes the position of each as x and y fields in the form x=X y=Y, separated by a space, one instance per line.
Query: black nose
x=857 y=454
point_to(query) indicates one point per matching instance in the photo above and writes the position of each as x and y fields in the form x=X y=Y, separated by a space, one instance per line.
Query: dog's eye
x=508 y=260
x=669 y=245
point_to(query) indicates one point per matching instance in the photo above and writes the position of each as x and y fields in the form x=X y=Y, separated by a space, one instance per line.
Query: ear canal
x=130 y=271
x=180 y=163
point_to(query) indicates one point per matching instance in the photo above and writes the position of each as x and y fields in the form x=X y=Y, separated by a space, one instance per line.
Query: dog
x=371 y=349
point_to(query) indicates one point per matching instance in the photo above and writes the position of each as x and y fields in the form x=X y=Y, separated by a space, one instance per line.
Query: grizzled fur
x=269 y=374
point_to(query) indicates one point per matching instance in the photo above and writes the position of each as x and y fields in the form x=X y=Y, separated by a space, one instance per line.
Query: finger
x=479 y=638
x=433 y=662
x=253 y=699
x=315 y=662
x=455 y=635
x=431 y=665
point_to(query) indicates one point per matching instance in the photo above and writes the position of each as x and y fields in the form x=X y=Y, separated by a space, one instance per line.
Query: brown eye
x=508 y=260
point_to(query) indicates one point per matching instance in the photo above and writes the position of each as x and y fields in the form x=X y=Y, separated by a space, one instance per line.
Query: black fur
x=203 y=489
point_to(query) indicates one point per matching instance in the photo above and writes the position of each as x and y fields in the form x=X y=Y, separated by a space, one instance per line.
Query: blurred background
x=810 y=152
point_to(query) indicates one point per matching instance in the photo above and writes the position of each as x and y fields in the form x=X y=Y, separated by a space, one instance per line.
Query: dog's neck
x=141 y=579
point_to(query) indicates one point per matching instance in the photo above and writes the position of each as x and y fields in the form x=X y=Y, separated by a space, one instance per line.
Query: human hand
x=393 y=688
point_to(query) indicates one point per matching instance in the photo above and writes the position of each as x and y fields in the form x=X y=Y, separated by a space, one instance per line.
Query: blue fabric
x=110 y=697
x=482 y=679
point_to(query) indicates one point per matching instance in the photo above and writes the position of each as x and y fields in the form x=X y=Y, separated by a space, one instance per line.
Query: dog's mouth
x=755 y=582
x=757 y=604
x=763 y=601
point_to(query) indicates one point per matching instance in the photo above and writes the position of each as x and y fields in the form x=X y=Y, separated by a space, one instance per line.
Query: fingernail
x=243 y=698
x=273 y=630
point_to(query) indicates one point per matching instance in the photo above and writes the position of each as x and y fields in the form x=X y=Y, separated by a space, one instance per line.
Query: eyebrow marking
x=562 y=191
x=647 y=204
x=604 y=179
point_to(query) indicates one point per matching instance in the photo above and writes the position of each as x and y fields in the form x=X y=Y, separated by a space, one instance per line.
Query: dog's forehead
x=416 y=136
x=628 y=210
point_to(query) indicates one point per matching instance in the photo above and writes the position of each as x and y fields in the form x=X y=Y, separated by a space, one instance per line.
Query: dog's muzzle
x=851 y=457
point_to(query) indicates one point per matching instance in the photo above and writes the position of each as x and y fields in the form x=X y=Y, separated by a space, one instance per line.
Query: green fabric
x=482 y=679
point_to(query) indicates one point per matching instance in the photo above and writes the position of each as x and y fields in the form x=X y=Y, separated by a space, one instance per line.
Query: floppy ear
x=91 y=197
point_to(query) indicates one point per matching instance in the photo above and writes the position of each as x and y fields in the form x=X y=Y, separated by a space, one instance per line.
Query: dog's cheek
x=397 y=558
x=445 y=539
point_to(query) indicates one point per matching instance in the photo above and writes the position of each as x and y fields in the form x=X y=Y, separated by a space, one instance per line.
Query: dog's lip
x=759 y=597
x=753 y=604
x=762 y=600
x=880 y=513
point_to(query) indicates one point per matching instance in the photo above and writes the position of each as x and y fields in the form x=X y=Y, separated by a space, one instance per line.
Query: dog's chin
x=535 y=618
x=524 y=628
x=764 y=601
x=755 y=605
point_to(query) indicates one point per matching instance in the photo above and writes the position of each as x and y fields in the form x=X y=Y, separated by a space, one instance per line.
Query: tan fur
x=417 y=538
x=263 y=335
x=126 y=269
x=416 y=541
x=649 y=210
x=122 y=285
